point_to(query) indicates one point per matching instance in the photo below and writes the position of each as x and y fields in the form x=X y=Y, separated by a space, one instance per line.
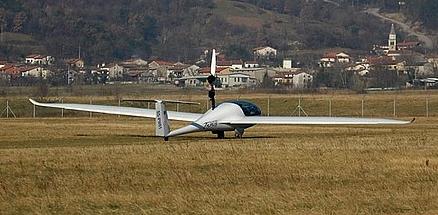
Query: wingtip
x=412 y=121
x=32 y=101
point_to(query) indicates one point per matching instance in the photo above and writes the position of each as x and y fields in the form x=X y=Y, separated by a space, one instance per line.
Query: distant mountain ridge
x=180 y=29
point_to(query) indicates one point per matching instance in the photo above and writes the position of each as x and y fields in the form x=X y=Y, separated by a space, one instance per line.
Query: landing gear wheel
x=166 y=139
x=238 y=133
x=221 y=135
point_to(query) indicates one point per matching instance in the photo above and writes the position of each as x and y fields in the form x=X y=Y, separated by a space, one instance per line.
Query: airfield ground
x=78 y=165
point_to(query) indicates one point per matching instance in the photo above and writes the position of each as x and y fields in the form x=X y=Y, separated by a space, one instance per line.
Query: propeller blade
x=213 y=63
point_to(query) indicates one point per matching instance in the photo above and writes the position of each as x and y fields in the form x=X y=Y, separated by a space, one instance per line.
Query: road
x=332 y=2
x=428 y=42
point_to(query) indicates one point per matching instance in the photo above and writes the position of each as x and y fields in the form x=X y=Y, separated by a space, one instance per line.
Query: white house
x=265 y=51
x=296 y=79
x=236 y=80
x=227 y=80
x=329 y=59
x=115 y=71
x=257 y=73
x=251 y=64
x=302 y=80
x=233 y=64
x=38 y=72
x=76 y=63
x=135 y=61
x=343 y=57
x=191 y=70
x=39 y=59
x=160 y=69
x=287 y=63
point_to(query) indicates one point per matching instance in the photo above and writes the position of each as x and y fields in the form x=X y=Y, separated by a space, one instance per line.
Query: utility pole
x=1 y=32
x=8 y=111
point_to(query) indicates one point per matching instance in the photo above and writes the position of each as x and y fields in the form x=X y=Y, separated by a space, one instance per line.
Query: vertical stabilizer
x=162 y=128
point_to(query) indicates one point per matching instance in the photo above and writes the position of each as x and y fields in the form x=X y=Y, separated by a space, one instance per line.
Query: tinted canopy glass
x=248 y=108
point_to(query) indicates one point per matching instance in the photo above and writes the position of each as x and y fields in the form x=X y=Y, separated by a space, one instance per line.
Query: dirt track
x=428 y=42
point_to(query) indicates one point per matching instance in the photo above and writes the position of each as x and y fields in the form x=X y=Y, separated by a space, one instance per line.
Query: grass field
x=408 y=103
x=79 y=165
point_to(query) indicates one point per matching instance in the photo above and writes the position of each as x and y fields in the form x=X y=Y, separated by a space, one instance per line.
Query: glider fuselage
x=215 y=120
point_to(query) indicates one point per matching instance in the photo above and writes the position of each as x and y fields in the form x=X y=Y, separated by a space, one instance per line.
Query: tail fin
x=162 y=128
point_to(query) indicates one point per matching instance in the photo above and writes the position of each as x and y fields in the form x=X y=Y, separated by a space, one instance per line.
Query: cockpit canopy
x=248 y=108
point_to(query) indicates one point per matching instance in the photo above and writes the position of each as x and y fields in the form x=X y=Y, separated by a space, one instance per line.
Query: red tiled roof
x=229 y=62
x=380 y=60
x=163 y=63
x=330 y=55
x=72 y=61
x=206 y=70
x=36 y=56
x=408 y=43
x=262 y=47
x=11 y=70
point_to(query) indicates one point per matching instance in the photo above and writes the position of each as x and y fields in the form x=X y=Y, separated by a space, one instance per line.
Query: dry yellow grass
x=113 y=165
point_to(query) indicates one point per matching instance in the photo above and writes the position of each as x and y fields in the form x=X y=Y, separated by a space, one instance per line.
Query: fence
x=282 y=105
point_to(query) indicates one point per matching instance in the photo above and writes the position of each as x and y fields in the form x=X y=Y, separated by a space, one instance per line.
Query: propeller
x=211 y=80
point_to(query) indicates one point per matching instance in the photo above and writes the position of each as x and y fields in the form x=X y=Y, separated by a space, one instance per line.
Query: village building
x=433 y=59
x=238 y=80
x=233 y=64
x=407 y=45
x=287 y=64
x=115 y=71
x=191 y=70
x=160 y=69
x=3 y=64
x=36 y=59
x=4 y=77
x=257 y=73
x=76 y=63
x=298 y=79
x=393 y=46
x=10 y=69
x=225 y=80
x=386 y=63
x=265 y=52
x=251 y=64
x=392 y=40
x=135 y=61
x=330 y=59
x=34 y=71
x=361 y=68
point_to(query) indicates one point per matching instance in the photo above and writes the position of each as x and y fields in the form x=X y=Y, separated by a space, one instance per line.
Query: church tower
x=392 y=42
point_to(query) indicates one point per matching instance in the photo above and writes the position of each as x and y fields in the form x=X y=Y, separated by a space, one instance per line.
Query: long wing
x=278 y=120
x=125 y=111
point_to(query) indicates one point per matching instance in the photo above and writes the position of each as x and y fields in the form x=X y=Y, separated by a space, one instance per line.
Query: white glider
x=228 y=116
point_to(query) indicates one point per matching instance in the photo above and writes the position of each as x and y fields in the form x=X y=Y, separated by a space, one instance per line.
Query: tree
x=267 y=82
x=237 y=51
x=19 y=20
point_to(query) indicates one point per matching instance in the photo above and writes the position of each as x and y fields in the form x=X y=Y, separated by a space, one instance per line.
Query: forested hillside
x=181 y=29
x=425 y=11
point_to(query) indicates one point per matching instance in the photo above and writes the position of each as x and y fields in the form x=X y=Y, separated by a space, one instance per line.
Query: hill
x=181 y=29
